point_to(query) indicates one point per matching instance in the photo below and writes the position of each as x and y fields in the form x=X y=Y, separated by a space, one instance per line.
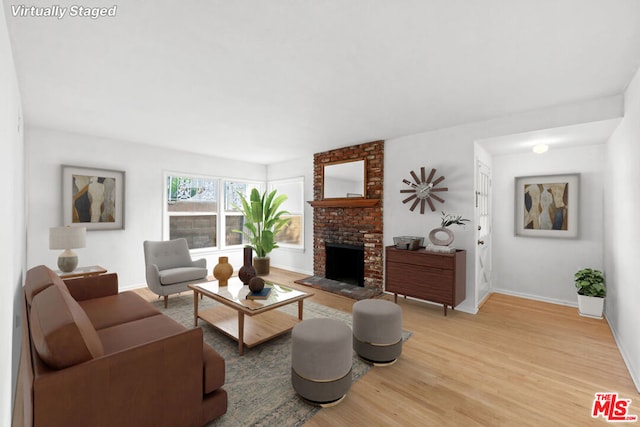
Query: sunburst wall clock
x=423 y=190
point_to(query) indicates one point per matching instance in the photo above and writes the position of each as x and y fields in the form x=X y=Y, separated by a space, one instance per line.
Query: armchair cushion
x=181 y=274
x=62 y=333
x=168 y=254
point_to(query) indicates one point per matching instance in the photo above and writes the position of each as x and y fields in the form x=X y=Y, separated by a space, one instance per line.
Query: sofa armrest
x=84 y=288
x=158 y=383
x=202 y=263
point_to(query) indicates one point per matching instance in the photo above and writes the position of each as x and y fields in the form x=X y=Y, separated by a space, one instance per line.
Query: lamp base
x=67 y=261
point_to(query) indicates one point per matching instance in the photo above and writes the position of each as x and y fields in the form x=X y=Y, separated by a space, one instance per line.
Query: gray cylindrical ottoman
x=377 y=331
x=321 y=359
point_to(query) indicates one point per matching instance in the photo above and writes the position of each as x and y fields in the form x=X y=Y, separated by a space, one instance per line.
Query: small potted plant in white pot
x=591 y=292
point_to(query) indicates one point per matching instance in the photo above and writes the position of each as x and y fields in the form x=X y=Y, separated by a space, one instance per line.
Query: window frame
x=272 y=185
x=220 y=213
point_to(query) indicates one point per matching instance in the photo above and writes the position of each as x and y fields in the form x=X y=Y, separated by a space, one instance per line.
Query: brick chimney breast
x=358 y=226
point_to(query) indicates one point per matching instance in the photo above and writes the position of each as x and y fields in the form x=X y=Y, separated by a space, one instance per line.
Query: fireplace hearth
x=345 y=263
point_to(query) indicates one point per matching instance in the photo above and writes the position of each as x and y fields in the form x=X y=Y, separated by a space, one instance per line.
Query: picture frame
x=547 y=206
x=93 y=198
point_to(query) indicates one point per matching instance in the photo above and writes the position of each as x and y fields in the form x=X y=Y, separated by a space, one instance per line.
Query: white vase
x=590 y=306
x=441 y=240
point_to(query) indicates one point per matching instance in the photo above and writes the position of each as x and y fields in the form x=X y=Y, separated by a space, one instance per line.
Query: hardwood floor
x=516 y=363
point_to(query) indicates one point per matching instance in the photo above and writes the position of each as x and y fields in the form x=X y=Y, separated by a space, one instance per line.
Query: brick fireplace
x=357 y=225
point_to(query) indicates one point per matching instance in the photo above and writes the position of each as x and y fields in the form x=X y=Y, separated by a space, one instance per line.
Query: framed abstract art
x=93 y=198
x=547 y=205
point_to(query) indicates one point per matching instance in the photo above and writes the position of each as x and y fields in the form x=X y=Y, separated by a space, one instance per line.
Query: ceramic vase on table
x=440 y=240
x=247 y=272
x=223 y=270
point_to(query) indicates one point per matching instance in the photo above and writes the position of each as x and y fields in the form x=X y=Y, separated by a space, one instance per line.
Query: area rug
x=337 y=287
x=258 y=383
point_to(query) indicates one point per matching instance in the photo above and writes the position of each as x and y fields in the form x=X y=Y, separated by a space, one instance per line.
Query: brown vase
x=247 y=271
x=261 y=264
x=223 y=270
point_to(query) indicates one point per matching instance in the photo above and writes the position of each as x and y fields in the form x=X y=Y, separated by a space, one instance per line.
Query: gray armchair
x=170 y=268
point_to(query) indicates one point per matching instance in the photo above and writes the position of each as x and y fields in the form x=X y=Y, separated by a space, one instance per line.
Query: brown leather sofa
x=94 y=357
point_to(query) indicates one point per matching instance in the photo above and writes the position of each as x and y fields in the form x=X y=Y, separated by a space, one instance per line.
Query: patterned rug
x=259 y=382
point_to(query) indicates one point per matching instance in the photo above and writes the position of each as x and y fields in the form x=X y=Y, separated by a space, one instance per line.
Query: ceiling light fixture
x=540 y=148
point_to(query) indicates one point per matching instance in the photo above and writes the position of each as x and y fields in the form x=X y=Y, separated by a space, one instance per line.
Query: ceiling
x=268 y=81
x=561 y=137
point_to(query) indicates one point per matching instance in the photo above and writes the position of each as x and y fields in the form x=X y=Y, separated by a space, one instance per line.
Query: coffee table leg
x=240 y=333
x=195 y=308
x=300 y=306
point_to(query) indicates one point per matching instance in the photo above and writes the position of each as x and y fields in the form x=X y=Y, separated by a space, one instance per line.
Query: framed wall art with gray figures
x=547 y=205
x=93 y=198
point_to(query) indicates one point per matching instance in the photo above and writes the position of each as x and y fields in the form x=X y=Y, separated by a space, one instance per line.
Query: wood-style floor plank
x=517 y=362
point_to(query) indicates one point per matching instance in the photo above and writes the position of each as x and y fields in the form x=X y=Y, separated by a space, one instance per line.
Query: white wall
x=12 y=224
x=296 y=259
x=543 y=268
x=117 y=250
x=451 y=152
x=622 y=231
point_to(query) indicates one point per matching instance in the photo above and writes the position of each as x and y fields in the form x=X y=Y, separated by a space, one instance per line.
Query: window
x=198 y=207
x=192 y=206
x=234 y=219
x=292 y=234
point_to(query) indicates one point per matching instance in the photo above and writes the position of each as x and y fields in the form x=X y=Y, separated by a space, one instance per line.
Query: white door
x=483 y=221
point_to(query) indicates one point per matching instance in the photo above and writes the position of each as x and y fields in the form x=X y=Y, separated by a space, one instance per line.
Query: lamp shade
x=67 y=237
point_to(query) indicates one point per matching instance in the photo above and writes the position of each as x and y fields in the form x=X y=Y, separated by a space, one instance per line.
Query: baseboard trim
x=462 y=307
x=635 y=377
x=535 y=297
x=289 y=268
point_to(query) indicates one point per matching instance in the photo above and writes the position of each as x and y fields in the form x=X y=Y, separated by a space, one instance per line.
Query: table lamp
x=67 y=238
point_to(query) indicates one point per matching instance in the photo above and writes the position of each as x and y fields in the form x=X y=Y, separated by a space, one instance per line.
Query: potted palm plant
x=262 y=221
x=591 y=292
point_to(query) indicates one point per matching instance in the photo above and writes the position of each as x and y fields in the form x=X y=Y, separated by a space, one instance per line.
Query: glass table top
x=236 y=292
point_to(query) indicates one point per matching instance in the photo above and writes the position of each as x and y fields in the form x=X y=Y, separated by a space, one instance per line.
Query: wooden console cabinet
x=430 y=276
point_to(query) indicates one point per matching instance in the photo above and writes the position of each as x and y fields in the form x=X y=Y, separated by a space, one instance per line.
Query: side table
x=92 y=270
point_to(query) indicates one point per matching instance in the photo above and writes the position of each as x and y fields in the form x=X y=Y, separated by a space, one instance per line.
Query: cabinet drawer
x=428 y=283
x=443 y=261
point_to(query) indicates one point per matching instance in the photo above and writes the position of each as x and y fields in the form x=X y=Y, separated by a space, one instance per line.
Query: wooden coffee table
x=250 y=322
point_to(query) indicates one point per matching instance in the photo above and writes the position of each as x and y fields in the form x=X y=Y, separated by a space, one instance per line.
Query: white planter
x=590 y=306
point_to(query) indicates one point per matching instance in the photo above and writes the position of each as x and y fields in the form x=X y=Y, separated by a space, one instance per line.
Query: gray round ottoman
x=321 y=359
x=377 y=331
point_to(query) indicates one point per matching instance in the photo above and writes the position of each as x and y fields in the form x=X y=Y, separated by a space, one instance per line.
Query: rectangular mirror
x=345 y=179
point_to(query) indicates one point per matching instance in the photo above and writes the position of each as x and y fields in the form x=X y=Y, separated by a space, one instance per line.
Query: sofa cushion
x=37 y=279
x=181 y=274
x=137 y=332
x=113 y=310
x=62 y=333
x=213 y=369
